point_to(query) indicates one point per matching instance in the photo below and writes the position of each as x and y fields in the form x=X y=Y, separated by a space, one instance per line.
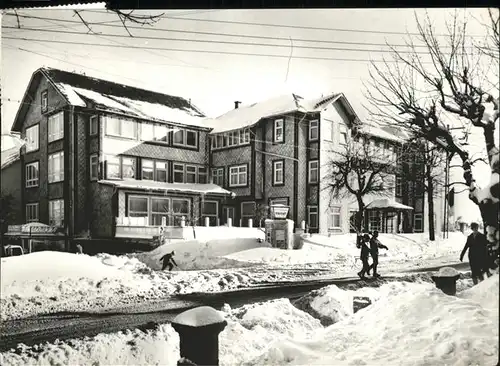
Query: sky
x=213 y=81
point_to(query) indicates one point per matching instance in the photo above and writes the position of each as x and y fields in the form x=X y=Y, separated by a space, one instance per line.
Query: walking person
x=478 y=253
x=365 y=253
x=375 y=244
x=168 y=261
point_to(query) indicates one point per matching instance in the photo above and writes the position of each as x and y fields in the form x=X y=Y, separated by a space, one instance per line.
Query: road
x=63 y=326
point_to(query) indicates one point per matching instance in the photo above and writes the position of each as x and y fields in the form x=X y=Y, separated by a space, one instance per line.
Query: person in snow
x=365 y=253
x=168 y=261
x=478 y=253
x=375 y=244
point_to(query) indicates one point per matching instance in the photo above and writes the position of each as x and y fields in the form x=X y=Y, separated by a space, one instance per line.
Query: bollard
x=360 y=302
x=207 y=221
x=250 y=222
x=199 y=330
x=229 y=222
x=303 y=225
x=446 y=280
x=183 y=221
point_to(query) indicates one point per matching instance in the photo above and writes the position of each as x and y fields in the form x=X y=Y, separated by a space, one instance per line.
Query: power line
x=220 y=34
x=222 y=42
x=294 y=26
x=198 y=51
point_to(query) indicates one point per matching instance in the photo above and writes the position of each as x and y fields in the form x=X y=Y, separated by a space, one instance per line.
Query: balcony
x=138 y=228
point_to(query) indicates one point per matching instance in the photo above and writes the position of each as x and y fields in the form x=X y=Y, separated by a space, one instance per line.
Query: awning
x=150 y=185
x=388 y=205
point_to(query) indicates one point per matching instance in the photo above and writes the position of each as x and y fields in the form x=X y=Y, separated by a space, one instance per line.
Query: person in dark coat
x=478 y=253
x=375 y=244
x=365 y=253
x=168 y=261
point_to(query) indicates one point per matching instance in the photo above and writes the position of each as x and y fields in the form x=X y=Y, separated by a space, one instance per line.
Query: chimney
x=236 y=104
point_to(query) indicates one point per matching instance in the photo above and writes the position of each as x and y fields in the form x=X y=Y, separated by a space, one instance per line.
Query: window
x=278 y=130
x=178 y=173
x=418 y=224
x=183 y=137
x=202 y=175
x=210 y=209
x=160 y=133
x=278 y=172
x=247 y=136
x=94 y=125
x=334 y=218
x=180 y=207
x=238 y=176
x=312 y=217
x=147 y=131
x=32 y=138
x=121 y=127
x=94 y=167
x=190 y=174
x=56 y=126
x=138 y=206
x=113 y=167
x=399 y=186
x=160 y=210
x=32 y=170
x=32 y=212
x=342 y=134
x=45 y=101
x=373 y=221
x=328 y=129
x=128 y=168
x=56 y=213
x=278 y=201
x=313 y=130
x=234 y=138
x=148 y=171
x=56 y=167
x=313 y=171
x=161 y=171
x=218 y=176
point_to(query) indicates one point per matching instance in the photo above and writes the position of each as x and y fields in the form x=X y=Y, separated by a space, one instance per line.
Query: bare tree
x=453 y=81
x=358 y=170
x=427 y=162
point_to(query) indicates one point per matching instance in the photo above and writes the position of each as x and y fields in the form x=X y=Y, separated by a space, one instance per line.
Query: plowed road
x=62 y=326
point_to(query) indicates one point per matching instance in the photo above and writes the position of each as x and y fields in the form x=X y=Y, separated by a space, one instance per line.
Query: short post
x=229 y=222
x=207 y=221
x=183 y=221
x=199 y=330
x=303 y=225
x=250 y=222
x=446 y=280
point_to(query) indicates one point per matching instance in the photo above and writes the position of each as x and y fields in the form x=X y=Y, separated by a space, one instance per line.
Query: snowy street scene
x=249 y=187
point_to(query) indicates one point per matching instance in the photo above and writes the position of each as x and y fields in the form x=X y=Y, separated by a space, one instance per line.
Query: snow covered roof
x=248 y=115
x=387 y=203
x=85 y=91
x=378 y=131
x=11 y=146
x=208 y=188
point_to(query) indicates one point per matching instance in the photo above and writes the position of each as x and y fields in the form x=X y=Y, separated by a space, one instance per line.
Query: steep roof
x=83 y=91
x=10 y=149
x=248 y=115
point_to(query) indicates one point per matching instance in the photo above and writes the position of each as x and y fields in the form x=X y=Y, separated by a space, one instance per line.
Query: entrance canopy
x=387 y=204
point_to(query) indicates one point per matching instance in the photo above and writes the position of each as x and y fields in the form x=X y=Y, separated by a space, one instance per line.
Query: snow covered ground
x=407 y=324
x=46 y=282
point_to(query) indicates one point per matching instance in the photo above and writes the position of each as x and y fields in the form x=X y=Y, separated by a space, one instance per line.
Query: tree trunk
x=360 y=214
x=430 y=203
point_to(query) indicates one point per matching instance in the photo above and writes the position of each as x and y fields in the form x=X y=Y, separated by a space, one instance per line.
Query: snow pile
x=201 y=254
x=419 y=326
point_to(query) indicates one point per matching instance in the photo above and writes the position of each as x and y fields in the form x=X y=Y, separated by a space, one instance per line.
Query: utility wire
x=220 y=34
x=198 y=50
x=222 y=42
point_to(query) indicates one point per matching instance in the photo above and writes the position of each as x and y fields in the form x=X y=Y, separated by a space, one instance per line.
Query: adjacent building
x=104 y=162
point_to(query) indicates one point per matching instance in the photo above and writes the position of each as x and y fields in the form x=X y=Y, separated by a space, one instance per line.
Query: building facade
x=104 y=161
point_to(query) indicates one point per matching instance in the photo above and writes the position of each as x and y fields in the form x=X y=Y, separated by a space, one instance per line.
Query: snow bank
x=416 y=326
